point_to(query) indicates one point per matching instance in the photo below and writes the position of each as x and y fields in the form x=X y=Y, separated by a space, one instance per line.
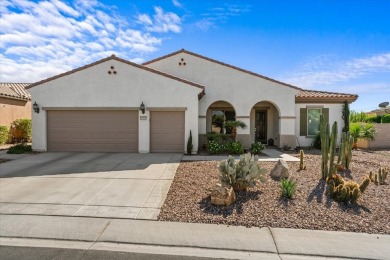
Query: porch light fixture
x=384 y=105
x=36 y=107
x=142 y=107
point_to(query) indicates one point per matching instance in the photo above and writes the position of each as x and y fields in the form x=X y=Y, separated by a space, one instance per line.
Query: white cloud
x=162 y=22
x=205 y=24
x=45 y=38
x=220 y=14
x=177 y=3
x=325 y=70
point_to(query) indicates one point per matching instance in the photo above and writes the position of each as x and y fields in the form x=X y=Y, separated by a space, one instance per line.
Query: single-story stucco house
x=15 y=103
x=97 y=107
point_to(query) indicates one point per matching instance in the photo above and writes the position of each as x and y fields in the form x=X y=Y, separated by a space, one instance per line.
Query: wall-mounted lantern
x=36 y=107
x=142 y=108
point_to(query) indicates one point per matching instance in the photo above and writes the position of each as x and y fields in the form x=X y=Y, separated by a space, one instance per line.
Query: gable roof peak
x=113 y=57
x=220 y=63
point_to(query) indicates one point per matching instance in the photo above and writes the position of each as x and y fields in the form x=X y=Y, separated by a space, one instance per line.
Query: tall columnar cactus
x=380 y=177
x=189 y=144
x=328 y=147
x=345 y=152
x=302 y=165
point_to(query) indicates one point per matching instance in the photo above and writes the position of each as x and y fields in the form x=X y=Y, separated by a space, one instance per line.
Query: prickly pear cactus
x=242 y=175
x=227 y=170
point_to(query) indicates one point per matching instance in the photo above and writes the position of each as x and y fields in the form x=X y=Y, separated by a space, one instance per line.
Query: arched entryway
x=264 y=122
x=217 y=114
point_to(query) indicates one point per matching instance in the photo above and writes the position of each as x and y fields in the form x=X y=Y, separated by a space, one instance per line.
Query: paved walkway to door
x=110 y=185
x=271 y=155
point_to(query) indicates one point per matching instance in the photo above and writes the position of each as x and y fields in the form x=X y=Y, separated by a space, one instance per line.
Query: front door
x=261 y=126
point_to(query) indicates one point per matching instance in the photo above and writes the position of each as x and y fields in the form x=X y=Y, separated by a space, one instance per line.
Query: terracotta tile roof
x=15 y=90
x=221 y=63
x=113 y=57
x=323 y=96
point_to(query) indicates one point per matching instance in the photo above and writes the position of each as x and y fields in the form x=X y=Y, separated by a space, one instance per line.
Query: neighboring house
x=15 y=102
x=97 y=107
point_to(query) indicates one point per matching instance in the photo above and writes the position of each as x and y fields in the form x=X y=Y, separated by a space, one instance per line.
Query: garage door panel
x=95 y=131
x=167 y=131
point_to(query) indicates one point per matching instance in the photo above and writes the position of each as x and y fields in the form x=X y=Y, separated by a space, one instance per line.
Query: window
x=313 y=121
x=309 y=118
x=218 y=118
x=217 y=121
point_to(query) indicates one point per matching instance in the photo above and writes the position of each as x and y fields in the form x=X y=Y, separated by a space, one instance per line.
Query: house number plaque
x=143 y=117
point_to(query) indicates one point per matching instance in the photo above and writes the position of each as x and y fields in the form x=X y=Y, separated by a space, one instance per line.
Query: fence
x=382 y=138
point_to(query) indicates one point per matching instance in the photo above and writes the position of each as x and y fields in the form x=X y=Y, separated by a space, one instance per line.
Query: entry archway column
x=287 y=131
x=244 y=135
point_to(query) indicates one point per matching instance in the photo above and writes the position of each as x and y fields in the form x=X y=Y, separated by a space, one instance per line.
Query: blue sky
x=340 y=46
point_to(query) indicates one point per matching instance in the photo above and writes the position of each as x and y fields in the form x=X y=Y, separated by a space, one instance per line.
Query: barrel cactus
x=346 y=191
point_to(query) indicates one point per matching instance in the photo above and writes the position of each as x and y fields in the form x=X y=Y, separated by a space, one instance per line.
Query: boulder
x=222 y=195
x=280 y=170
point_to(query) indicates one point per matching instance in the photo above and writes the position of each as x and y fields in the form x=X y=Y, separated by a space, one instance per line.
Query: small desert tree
x=233 y=125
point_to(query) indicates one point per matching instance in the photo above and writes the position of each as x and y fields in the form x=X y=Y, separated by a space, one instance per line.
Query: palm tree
x=233 y=125
x=362 y=131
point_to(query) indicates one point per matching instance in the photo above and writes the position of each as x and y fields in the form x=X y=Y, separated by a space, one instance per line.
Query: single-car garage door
x=167 y=131
x=92 y=131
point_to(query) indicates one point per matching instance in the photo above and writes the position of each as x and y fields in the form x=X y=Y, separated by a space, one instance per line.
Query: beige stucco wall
x=382 y=138
x=241 y=90
x=94 y=88
x=12 y=109
x=334 y=115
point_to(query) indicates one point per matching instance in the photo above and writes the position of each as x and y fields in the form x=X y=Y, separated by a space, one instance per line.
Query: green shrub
x=257 y=147
x=386 y=119
x=234 y=147
x=214 y=147
x=20 y=148
x=21 y=130
x=3 y=134
x=374 y=119
x=212 y=136
x=355 y=117
x=288 y=187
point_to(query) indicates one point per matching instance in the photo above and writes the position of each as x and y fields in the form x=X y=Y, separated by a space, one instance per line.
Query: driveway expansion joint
x=273 y=239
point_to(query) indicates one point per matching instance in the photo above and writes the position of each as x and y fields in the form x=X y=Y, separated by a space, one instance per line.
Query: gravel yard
x=188 y=199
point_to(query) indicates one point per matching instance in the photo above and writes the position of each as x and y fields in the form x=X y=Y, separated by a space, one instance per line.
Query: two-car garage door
x=92 y=130
x=112 y=131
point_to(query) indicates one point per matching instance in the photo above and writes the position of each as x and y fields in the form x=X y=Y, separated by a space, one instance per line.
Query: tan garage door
x=92 y=131
x=167 y=131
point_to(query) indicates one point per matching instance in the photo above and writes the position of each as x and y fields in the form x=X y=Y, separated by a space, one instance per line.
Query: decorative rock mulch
x=188 y=199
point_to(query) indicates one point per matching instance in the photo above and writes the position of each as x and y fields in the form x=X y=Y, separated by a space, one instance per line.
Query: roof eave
x=325 y=100
x=15 y=97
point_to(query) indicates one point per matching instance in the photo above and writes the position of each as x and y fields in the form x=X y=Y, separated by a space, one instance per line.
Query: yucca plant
x=288 y=187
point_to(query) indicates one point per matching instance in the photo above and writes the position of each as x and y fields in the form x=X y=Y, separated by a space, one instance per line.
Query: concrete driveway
x=112 y=185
